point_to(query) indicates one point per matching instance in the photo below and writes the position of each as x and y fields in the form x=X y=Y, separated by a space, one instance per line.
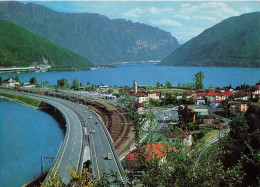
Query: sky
x=183 y=19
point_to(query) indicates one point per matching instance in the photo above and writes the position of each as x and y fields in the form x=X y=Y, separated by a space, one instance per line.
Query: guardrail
x=120 y=167
x=62 y=147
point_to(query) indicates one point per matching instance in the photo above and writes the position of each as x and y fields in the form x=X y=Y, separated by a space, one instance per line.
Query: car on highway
x=93 y=131
x=109 y=156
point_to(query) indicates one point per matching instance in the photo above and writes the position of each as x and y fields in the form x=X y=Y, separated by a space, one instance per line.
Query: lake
x=149 y=74
x=25 y=135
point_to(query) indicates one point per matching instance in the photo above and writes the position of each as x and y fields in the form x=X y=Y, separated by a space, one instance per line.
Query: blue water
x=149 y=74
x=25 y=135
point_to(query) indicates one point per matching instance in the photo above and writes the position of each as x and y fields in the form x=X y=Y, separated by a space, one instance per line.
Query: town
x=159 y=118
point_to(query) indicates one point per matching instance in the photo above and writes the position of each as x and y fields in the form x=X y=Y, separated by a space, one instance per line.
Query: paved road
x=97 y=137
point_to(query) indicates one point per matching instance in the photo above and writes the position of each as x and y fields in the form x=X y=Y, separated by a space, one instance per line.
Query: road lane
x=71 y=150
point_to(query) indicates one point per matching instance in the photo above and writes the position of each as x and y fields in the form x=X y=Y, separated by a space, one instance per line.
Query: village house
x=238 y=107
x=242 y=95
x=215 y=98
x=199 y=111
x=256 y=90
x=207 y=120
x=222 y=90
x=179 y=137
x=154 y=95
x=28 y=85
x=149 y=152
x=199 y=100
x=141 y=96
x=10 y=83
x=178 y=96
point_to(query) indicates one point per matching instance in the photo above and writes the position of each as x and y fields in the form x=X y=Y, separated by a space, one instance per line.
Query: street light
x=42 y=161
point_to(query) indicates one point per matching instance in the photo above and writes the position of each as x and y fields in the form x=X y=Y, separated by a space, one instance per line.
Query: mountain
x=20 y=48
x=95 y=37
x=232 y=42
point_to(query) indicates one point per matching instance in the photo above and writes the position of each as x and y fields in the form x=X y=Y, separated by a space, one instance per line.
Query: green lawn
x=211 y=135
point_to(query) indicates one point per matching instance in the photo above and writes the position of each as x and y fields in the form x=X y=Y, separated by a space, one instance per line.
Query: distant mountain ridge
x=21 y=48
x=95 y=37
x=233 y=42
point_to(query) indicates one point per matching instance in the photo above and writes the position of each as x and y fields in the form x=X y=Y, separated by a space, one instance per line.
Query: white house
x=10 y=83
x=28 y=85
x=182 y=137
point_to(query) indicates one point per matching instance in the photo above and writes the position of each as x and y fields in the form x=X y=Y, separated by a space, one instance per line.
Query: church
x=141 y=96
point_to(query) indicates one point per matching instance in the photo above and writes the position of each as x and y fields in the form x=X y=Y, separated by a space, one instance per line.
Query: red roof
x=227 y=93
x=206 y=117
x=152 y=150
x=218 y=101
x=138 y=105
x=213 y=94
x=156 y=91
x=257 y=86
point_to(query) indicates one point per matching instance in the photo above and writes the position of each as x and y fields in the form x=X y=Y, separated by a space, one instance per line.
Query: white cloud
x=155 y=10
x=166 y=22
x=185 y=5
x=152 y=10
x=211 y=11
x=181 y=16
x=135 y=13
x=205 y=18
x=213 y=5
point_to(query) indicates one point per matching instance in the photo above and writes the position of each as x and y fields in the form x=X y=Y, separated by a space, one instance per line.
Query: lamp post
x=42 y=157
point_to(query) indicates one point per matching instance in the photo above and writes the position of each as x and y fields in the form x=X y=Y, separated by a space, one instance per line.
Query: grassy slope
x=19 y=47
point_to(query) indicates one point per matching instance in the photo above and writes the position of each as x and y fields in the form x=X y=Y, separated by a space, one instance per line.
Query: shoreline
x=20 y=102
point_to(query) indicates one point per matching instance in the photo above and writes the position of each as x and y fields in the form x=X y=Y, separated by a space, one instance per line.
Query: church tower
x=135 y=88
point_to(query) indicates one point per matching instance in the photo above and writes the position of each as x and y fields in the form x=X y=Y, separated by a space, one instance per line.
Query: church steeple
x=135 y=88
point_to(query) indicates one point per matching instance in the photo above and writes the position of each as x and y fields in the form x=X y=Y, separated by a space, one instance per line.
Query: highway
x=83 y=128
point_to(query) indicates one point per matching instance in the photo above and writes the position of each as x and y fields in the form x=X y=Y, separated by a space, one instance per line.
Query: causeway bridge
x=86 y=138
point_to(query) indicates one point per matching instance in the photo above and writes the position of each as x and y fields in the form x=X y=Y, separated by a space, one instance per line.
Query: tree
x=88 y=83
x=17 y=79
x=76 y=179
x=182 y=168
x=63 y=83
x=46 y=83
x=34 y=81
x=1 y=80
x=198 y=78
x=243 y=145
x=186 y=116
x=158 y=84
x=75 y=84
x=110 y=90
x=168 y=84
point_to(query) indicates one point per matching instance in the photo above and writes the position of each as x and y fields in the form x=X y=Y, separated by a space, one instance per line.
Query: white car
x=109 y=156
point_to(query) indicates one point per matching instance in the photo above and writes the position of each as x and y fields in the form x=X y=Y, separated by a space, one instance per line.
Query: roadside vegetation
x=232 y=161
x=26 y=100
